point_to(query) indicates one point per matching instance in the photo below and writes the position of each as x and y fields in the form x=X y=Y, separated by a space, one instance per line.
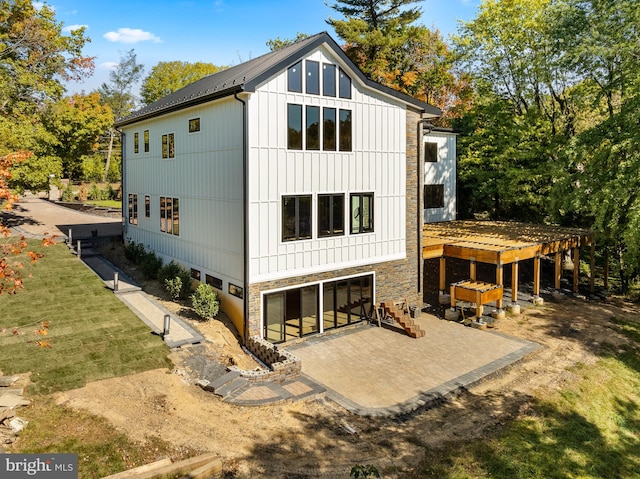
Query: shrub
x=134 y=251
x=68 y=194
x=205 y=301
x=94 y=192
x=173 y=287
x=172 y=271
x=82 y=192
x=109 y=193
x=150 y=264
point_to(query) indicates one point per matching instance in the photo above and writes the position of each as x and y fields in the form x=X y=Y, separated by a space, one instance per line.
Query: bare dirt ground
x=313 y=438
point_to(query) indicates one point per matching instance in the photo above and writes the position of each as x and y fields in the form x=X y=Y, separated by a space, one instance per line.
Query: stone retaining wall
x=283 y=365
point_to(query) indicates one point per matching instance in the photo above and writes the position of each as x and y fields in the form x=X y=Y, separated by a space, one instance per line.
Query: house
x=292 y=184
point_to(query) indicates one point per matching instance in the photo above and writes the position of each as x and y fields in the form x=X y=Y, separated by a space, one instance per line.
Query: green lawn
x=589 y=429
x=105 y=203
x=90 y=333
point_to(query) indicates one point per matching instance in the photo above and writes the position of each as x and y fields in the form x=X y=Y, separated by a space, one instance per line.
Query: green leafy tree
x=167 y=77
x=118 y=94
x=278 y=43
x=76 y=123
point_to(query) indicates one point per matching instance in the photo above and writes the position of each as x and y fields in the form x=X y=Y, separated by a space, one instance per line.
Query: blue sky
x=222 y=32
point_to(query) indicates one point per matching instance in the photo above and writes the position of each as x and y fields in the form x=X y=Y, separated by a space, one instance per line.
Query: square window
x=433 y=196
x=296 y=217
x=361 y=213
x=430 y=152
x=195 y=274
x=194 y=125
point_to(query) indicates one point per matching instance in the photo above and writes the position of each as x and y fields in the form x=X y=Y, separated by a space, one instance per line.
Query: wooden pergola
x=503 y=243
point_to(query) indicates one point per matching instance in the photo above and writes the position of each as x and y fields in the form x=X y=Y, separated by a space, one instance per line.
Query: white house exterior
x=290 y=183
x=439 y=175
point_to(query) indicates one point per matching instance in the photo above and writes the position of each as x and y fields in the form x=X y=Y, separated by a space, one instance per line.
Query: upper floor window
x=330 y=215
x=294 y=77
x=313 y=127
x=294 y=126
x=328 y=79
x=296 y=217
x=433 y=196
x=168 y=146
x=170 y=215
x=345 y=130
x=430 y=152
x=146 y=141
x=344 y=85
x=313 y=77
x=133 y=209
x=194 y=125
x=147 y=206
x=361 y=213
x=136 y=142
x=329 y=129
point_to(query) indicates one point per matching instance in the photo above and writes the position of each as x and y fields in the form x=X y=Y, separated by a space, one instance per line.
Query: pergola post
x=472 y=268
x=514 y=307
x=499 y=312
x=444 y=296
x=558 y=270
x=537 y=300
x=576 y=268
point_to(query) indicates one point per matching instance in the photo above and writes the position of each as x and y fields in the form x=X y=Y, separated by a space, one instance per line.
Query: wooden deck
x=501 y=243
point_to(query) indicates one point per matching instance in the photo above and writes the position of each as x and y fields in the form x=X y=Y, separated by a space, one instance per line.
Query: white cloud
x=131 y=35
x=108 y=65
x=71 y=28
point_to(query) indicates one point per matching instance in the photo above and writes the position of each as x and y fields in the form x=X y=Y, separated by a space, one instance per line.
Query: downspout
x=419 y=212
x=245 y=217
x=125 y=203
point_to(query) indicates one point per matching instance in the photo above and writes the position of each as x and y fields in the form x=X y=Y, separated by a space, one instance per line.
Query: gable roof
x=246 y=76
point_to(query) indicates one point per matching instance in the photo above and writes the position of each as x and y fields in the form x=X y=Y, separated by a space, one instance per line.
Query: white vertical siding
x=442 y=172
x=206 y=176
x=377 y=164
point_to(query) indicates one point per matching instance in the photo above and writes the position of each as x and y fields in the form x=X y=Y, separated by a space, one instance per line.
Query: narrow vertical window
x=136 y=142
x=146 y=141
x=176 y=216
x=330 y=215
x=313 y=127
x=296 y=217
x=313 y=77
x=361 y=213
x=294 y=77
x=165 y=146
x=172 y=146
x=344 y=85
x=328 y=79
x=345 y=130
x=329 y=129
x=163 y=214
x=133 y=209
x=147 y=206
x=167 y=214
x=294 y=129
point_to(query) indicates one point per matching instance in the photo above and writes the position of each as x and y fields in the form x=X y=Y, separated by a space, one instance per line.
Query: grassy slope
x=90 y=335
x=589 y=429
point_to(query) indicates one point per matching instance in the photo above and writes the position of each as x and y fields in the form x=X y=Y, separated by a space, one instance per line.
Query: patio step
x=403 y=318
x=225 y=385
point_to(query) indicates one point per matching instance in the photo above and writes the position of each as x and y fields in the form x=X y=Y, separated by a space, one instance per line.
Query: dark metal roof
x=246 y=76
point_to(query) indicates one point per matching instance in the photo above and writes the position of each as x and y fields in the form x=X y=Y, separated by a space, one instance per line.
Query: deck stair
x=400 y=313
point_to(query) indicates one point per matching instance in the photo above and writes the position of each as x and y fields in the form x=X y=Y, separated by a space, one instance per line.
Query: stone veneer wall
x=394 y=280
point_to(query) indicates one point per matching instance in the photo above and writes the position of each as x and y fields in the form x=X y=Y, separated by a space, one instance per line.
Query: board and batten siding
x=377 y=163
x=206 y=176
x=442 y=172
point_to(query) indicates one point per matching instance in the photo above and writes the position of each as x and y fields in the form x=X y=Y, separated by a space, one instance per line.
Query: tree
x=118 y=94
x=374 y=32
x=76 y=123
x=278 y=43
x=10 y=271
x=167 y=77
